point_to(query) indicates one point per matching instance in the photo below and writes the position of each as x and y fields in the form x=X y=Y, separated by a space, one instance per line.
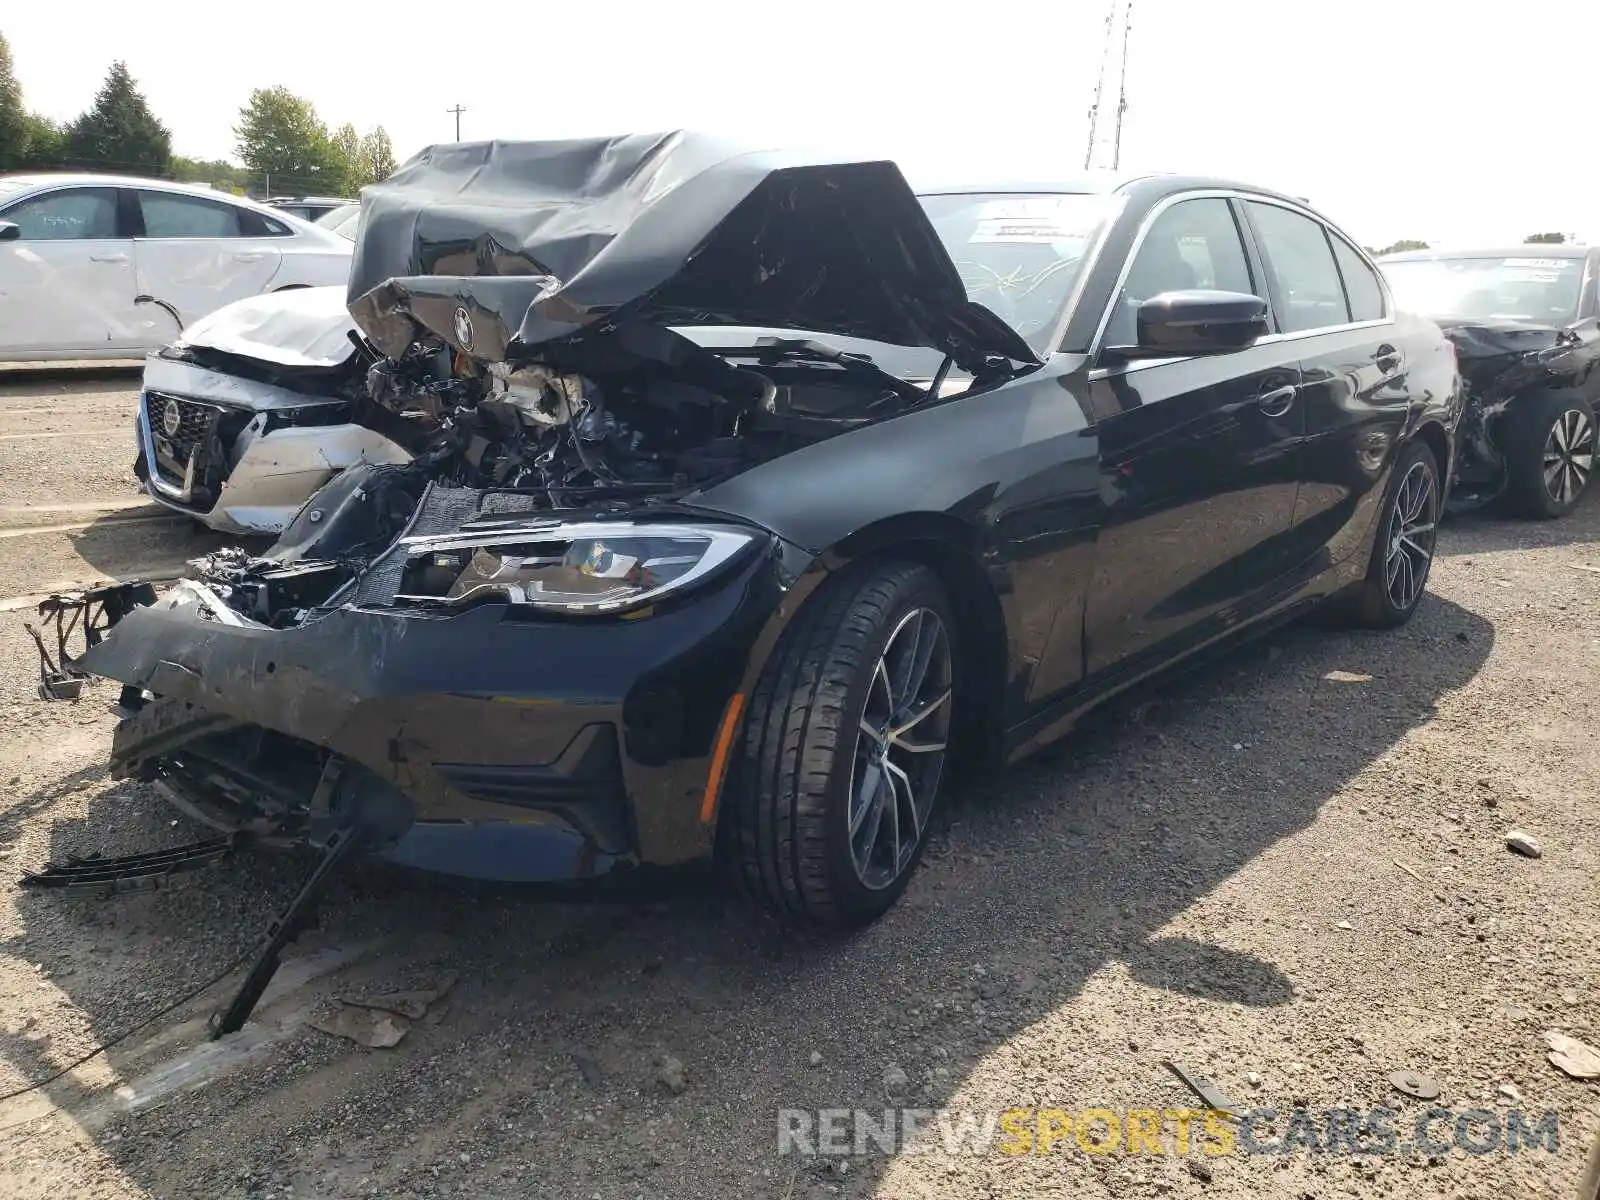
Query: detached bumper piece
x=90 y=614
x=128 y=872
x=300 y=915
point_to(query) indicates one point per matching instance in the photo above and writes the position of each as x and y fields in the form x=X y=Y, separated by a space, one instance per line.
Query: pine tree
x=119 y=133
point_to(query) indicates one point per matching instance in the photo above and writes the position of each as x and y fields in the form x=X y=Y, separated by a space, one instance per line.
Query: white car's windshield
x=342 y=220
x=12 y=187
x=1526 y=287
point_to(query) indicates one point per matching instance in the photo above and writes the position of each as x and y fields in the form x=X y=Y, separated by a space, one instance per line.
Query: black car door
x=1197 y=456
x=1356 y=382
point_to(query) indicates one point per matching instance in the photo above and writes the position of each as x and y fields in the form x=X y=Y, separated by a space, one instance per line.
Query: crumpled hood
x=499 y=247
x=1504 y=355
x=299 y=328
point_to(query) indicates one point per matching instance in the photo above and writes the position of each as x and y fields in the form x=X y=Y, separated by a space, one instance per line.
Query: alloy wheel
x=1568 y=456
x=1413 y=525
x=900 y=748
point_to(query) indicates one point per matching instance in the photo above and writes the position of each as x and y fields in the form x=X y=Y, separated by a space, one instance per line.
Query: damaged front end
x=1502 y=363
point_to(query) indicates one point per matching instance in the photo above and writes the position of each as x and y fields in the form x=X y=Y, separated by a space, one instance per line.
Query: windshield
x=342 y=220
x=12 y=187
x=1019 y=253
x=1518 y=288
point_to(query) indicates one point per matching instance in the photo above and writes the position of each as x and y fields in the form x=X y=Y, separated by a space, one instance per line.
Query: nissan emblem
x=172 y=418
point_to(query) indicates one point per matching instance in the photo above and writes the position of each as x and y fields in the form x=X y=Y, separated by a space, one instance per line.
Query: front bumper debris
x=89 y=615
x=494 y=745
x=128 y=872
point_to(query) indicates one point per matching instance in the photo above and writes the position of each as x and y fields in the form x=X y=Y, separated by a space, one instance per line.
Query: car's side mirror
x=1194 y=322
x=9 y=231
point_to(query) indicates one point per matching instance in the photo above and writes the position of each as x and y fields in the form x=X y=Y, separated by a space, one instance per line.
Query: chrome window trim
x=1118 y=205
x=1096 y=344
x=1140 y=364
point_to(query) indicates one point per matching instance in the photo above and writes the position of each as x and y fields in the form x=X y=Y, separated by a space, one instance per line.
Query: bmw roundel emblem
x=171 y=418
x=463 y=323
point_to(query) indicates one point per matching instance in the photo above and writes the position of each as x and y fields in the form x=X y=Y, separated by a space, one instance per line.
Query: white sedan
x=105 y=266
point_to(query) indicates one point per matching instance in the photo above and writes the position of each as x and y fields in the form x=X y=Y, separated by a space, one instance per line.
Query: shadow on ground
x=546 y=1066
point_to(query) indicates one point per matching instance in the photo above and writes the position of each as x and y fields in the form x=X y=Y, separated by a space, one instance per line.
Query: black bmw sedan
x=752 y=496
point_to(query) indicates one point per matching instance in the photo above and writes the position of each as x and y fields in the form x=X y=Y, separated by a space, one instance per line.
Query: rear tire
x=1402 y=550
x=842 y=753
x=1549 y=444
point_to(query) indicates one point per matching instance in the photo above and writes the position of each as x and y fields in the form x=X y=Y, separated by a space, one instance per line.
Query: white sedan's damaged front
x=245 y=417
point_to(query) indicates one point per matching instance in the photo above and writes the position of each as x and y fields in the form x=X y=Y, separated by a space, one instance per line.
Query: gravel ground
x=1286 y=871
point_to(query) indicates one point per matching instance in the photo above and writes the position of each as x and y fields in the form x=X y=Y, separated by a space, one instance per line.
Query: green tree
x=1544 y=239
x=285 y=145
x=119 y=132
x=47 y=145
x=14 y=124
x=214 y=171
x=377 y=157
x=1403 y=245
x=348 y=144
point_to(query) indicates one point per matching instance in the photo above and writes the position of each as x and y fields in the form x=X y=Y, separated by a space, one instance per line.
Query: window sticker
x=1030 y=219
x=1541 y=264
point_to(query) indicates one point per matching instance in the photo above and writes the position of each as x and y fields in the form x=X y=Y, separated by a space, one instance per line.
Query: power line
x=458 y=110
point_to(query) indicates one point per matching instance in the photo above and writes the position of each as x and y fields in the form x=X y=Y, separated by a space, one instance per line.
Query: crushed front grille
x=178 y=427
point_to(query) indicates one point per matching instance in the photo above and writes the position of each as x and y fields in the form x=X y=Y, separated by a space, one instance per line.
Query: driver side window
x=1193 y=244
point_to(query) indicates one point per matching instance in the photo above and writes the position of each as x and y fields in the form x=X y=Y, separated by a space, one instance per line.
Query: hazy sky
x=1398 y=118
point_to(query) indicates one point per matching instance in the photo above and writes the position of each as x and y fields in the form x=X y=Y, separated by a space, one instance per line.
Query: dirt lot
x=1287 y=872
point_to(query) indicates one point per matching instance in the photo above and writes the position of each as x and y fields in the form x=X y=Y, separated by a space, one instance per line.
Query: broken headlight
x=593 y=568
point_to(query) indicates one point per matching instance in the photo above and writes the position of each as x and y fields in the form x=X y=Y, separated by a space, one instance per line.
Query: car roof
x=84 y=179
x=1098 y=182
x=1526 y=250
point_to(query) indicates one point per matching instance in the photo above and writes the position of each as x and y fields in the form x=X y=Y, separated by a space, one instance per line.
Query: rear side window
x=1360 y=282
x=256 y=224
x=1310 y=293
x=75 y=214
x=170 y=216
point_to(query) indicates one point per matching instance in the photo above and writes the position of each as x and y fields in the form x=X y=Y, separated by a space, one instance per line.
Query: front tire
x=1402 y=551
x=1549 y=444
x=843 y=751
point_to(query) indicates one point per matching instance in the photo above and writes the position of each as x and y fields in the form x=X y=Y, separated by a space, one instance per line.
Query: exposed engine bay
x=601 y=424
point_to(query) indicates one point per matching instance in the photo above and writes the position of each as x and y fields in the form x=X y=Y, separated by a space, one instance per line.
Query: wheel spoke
x=905 y=804
x=872 y=731
x=892 y=806
x=869 y=841
x=897 y=736
x=880 y=690
x=900 y=657
x=868 y=794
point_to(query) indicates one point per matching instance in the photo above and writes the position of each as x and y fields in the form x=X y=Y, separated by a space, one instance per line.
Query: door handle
x=1388 y=358
x=248 y=257
x=1276 y=402
x=108 y=258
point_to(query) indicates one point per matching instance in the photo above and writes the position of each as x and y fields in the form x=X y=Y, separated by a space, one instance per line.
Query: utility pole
x=1122 y=85
x=458 y=110
x=1096 y=152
